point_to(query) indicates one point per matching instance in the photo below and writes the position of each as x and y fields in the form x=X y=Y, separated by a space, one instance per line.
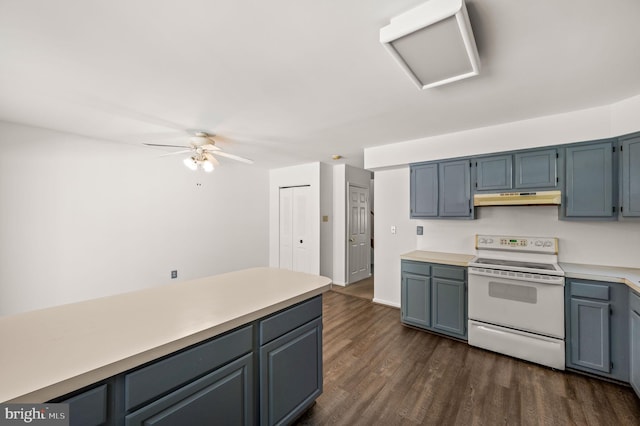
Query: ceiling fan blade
x=210 y=147
x=211 y=158
x=170 y=146
x=233 y=157
x=177 y=152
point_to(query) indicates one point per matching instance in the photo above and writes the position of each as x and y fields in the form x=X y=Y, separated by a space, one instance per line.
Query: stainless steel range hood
x=518 y=199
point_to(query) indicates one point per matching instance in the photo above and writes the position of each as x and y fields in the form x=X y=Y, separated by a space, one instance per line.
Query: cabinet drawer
x=634 y=301
x=451 y=272
x=419 y=268
x=88 y=408
x=591 y=291
x=289 y=319
x=149 y=382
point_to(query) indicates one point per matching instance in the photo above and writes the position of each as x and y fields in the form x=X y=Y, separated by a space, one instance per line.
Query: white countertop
x=628 y=276
x=455 y=259
x=50 y=352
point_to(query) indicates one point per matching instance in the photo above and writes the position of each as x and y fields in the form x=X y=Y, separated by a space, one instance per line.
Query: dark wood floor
x=378 y=372
x=362 y=289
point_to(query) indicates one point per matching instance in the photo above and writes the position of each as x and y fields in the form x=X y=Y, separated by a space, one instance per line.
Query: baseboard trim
x=386 y=303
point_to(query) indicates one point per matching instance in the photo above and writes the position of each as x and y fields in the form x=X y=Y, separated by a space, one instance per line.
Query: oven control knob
x=547 y=243
x=538 y=243
x=490 y=241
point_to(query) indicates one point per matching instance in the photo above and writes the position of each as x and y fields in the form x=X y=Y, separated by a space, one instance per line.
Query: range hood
x=518 y=198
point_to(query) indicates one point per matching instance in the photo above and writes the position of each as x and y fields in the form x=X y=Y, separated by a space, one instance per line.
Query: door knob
x=352 y=240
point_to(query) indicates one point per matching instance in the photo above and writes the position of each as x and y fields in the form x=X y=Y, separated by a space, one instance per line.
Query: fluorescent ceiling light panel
x=433 y=43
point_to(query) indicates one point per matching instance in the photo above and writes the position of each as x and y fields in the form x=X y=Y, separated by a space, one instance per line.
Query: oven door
x=531 y=306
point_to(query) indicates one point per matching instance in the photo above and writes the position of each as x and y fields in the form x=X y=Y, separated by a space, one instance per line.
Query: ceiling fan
x=202 y=152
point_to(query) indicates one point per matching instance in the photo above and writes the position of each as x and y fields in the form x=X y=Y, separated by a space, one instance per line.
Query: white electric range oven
x=516 y=298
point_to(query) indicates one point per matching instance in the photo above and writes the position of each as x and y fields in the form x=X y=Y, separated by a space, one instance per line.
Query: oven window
x=519 y=293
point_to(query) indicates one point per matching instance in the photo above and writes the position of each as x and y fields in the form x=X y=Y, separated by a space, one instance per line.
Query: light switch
x=419 y=230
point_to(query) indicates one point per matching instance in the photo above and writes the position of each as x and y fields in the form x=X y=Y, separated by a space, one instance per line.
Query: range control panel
x=529 y=244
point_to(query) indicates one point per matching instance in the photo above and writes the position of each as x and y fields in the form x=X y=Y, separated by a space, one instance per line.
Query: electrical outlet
x=174 y=274
x=393 y=229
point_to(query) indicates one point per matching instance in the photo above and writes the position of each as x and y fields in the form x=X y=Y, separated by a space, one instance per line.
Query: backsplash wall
x=600 y=243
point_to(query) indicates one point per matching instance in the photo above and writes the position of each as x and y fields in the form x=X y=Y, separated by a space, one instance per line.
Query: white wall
x=326 y=228
x=304 y=174
x=603 y=243
x=83 y=218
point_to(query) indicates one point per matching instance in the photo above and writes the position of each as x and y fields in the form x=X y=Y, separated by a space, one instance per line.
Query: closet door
x=295 y=228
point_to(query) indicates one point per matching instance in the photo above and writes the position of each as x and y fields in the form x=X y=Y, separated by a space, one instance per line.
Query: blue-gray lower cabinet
x=590 y=181
x=416 y=299
x=90 y=407
x=223 y=397
x=634 y=340
x=597 y=328
x=290 y=374
x=266 y=372
x=434 y=297
x=630 y=165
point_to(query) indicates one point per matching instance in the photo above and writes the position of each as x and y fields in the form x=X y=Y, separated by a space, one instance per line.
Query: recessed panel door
x=359 y=234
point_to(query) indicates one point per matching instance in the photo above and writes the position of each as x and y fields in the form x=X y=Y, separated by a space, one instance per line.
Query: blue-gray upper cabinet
x=531 y=169
x=441 y=190
x=630 y=154
x=454 y=190
x=590 y=180
x=536 y=169
x=634 y=340
x=424 y=190
x=494 y=173
x=597 y=328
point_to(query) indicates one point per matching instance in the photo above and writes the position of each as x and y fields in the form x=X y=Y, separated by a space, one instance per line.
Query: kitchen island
x=52 y=352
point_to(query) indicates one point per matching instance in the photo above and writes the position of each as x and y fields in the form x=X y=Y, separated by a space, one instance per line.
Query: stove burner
x=513 y=263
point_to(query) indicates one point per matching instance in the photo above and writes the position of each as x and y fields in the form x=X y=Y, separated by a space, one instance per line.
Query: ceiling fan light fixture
x=191 y=163
x=207 y=166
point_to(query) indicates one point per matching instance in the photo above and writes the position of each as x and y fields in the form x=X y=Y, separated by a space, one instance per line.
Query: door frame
x=348 y=227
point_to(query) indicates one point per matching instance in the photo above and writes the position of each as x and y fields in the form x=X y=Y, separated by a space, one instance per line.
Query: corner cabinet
x=630 y=166
x=597 y=328
x=434 y=297
x=634 y=340
x=441 y=190
x=591 y=181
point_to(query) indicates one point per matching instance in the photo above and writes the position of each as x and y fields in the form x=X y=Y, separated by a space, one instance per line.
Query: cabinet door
x=630 y=177
x=290 y=373
x=494 y=173
x=89 y=408
x=415 y=300
x=634 y=341
x=223 y=397
x=448 y=306
x=590 y=340
x=536 y=169
x=589 y=180
x=454 y=189
x=424 y=190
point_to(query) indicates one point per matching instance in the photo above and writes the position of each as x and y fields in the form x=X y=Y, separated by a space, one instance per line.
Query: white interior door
x=358 y=258
x=295 y=228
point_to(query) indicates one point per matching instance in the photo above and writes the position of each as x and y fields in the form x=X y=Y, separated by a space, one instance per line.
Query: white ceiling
x=286 y=82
